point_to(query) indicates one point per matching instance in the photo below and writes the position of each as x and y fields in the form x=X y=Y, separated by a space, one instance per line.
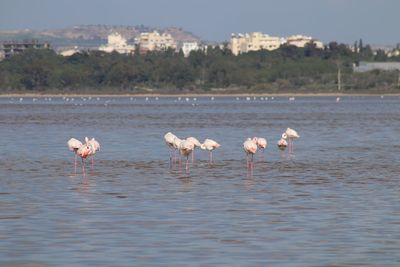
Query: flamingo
x=94 y=147
x=282 y=144
x=186 y=147
x=261 y=143
x=176 y=143
x=209 y=145
x=196 y=144
x=83 y=151
x=74 y=145
x=169 y=140
x=250 y=147
x=291 y=134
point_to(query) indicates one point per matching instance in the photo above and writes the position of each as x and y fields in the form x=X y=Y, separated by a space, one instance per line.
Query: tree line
x=287 y=69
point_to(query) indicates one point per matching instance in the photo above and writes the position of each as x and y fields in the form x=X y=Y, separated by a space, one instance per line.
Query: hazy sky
x=375 y=21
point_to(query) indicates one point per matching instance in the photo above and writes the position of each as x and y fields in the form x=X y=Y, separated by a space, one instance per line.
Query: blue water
x=335 y=202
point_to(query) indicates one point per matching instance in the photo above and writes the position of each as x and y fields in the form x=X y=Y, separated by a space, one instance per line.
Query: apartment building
x=115 y=42
x=150 y=41
x=243 y=43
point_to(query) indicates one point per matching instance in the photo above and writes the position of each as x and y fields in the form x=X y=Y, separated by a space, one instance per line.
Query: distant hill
x=92 y=35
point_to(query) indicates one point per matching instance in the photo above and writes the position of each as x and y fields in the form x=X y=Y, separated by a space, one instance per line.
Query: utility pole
x=339 y=82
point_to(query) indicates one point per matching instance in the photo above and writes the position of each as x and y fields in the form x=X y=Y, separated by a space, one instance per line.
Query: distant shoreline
x=196 y=95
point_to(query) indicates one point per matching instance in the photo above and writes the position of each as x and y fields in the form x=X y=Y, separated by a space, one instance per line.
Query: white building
x=115 y=42
x=69 y=52
x=302 y=41
x=150 y=41
x=189 y=47
x=253 y=42
x=243 y=43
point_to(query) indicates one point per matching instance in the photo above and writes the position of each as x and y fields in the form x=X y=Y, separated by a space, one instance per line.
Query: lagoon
x=334 y=202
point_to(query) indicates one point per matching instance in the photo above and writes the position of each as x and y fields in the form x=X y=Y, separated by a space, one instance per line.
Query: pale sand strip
x=196 y=95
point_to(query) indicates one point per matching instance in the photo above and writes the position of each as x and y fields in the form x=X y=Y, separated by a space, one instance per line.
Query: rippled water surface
x=335 y=202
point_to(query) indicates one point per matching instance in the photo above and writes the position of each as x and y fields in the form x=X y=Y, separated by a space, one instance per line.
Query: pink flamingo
x=250 y=147
x=176 y=143
x=291 y=134
x=186 y=147
x=74 y=145
x=94 y=147
x=209 y=145
x=261 y=144
x=282 y=144
x=196 y=144
x=83 y=151
x=169 y=140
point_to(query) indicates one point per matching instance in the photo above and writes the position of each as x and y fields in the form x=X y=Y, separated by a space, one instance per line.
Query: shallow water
x=335 y=202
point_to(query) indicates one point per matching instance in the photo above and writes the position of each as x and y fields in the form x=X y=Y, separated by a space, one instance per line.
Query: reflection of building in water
x=117 y=43
x=10 y=48
x=150 y=41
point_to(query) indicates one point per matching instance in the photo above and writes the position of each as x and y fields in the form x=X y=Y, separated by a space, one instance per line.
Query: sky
x=345 y=21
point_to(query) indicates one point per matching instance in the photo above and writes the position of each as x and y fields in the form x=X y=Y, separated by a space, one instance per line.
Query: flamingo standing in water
x=282 y=144
x=176 y=143
x=196 y=144
x=291 y=135
x=94 y=147
x=186 y=147
x=261 y=144
x=209 y=145
x=74 y=145
x=250 y=147
x=169 y=140
x=83 y=151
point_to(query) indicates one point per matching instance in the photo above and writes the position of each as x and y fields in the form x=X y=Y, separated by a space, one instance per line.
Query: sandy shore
x=196 y=95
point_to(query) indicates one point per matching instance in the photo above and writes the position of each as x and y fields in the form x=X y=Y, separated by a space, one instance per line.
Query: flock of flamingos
x=186 y=147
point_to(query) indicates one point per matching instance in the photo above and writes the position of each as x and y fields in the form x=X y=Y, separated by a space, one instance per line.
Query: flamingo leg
x=193 y=156
x=83 y=168
x=76 y=159
x=211 y=157
x=187 y=164
x=170 y=156
x=291 y=145
x=92 y=166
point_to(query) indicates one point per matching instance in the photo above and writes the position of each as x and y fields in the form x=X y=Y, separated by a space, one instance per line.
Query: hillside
x=91 y=35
